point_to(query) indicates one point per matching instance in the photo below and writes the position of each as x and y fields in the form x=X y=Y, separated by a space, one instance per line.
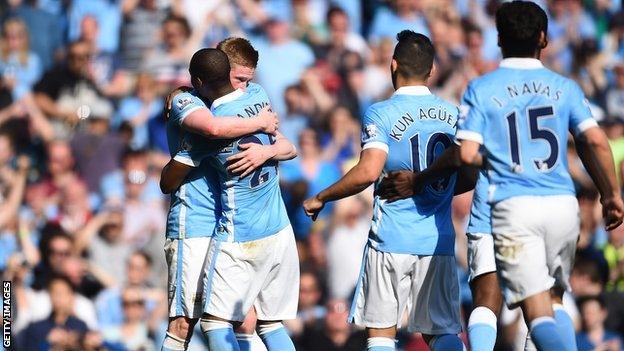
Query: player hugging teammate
x=231 y=250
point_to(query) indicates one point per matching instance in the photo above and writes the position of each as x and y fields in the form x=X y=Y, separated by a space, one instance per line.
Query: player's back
x=523 y=113
x=417 y=127
x=252 y=207
x=193 y=209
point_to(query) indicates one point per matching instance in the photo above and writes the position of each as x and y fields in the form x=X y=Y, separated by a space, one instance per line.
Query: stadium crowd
x=82 y=144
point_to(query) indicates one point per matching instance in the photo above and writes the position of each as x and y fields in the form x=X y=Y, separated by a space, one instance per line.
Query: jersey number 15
x=535 y=133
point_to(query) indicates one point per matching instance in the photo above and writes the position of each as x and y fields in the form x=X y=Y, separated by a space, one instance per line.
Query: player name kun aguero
x=427 y=114
x=252 y=110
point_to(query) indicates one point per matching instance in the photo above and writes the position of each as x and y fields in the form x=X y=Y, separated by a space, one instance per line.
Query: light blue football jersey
x=521 y=113
x=480 y=213
x=193 y=211
x=414 y=127
x=252 y=207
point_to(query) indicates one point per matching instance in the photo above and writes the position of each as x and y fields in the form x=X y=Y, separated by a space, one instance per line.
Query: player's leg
x=274 y=335
x=561 y=242
x=381 y=339
x=518 y=225
x=278 y=291
x=185 y=258
x=565 y=325
x=246 y=335
x=486 y=294
x=219 y=333
x=435 y=308
x=381 y=296
x=178 y=334
x=226 y=294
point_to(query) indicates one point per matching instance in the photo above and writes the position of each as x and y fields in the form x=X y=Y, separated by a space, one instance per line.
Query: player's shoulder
x=184 y=103
x=255 y=90
x=379 y=108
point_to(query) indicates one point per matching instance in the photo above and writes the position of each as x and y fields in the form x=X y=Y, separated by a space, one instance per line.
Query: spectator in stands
x=310 y=312
x=60 y=167
x=352 y=223
x=102 y=238
x=614 y=254
x=67 y=87
x=282 y=61
x=168 y=63
x=137 y=274
x=105 y=12
x=342 y=141
x=336 y=334
x=615 y=96
x=315 y=174
x=138 y=109
x=74 y=210
x=104 y=66
x=142 y=21
x=133 y=333
x=401 y=14
x=20 y=68
x=61 y=329
x=113 y=184
x=594 y=336
x=44 y=29
x=97 y=150
x=297 y=115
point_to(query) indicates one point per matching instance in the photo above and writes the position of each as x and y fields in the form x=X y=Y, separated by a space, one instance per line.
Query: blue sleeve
x=471 y=119
x=581 y=117
x=186 y=156
x=183 y=105
x=374 y=131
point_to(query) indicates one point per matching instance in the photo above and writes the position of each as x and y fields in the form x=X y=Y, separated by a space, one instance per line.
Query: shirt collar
x=521 y=63
x=413 y=90
x=227 y=98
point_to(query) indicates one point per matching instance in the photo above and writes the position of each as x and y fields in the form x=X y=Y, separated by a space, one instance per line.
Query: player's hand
x=313 y=206
x=398 y=185
x=169 y=99
x=268 y=121
x=612 y=212
x=253 y=156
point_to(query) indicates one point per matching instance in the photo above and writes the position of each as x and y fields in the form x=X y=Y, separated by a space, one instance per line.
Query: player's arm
x=366 y=172
x=593 y=148
x=172 y=175
x=404 y=184
x=202 y=121
x=255 y=155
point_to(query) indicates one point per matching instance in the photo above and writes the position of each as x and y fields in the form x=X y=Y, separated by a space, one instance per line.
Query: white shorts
x=262 y=273
x=535 y=242
x=480 y=254
x=390 y=283
x=185 y=260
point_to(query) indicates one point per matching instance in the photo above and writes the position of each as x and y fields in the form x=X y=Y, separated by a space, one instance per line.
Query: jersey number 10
x=437 y=143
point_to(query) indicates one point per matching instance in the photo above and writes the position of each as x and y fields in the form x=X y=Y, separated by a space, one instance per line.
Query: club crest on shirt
x=183 y=102
x=371 y=131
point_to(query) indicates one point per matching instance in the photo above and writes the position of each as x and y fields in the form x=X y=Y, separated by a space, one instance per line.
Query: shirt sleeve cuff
x=186 y=160
x=188 y=112
x=469 y=135
x=376 y=145
x=586 y=124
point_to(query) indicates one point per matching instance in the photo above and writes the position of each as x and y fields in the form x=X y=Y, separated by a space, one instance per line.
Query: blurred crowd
x=82 y=143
